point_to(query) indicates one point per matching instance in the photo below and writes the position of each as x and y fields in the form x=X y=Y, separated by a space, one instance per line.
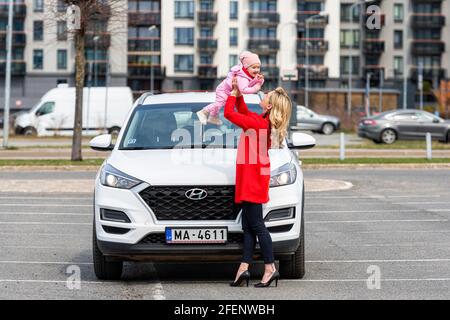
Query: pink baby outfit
x=246 y=84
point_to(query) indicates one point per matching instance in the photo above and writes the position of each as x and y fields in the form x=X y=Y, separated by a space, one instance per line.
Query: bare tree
x=90 y=11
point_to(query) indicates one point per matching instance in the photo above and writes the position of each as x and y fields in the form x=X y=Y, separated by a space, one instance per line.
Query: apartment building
x=172 y=45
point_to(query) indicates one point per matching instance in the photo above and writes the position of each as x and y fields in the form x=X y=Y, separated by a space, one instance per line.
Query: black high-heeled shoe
x=275 y=276
x=244 y=276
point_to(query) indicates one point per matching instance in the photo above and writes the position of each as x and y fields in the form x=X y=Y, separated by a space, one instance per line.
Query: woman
x=260 y=132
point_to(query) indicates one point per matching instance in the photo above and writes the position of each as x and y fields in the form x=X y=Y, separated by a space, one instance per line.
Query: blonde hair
x=279 y=115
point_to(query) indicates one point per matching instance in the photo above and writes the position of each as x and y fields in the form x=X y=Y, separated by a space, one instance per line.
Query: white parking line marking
x=47 y=223
x=158 y=292
x=365 y=280
x=368 y=211
x=378 y=261
x=387 y=231
x=43 y=205
x=44 y=234
x=373 y=197
x=41 y=198
x=375 y=221
x=53 y=281
x=45 y=214
x=418 y=202
x=47 y=262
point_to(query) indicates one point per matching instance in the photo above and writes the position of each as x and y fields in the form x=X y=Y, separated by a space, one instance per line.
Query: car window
x=168 y=126
x=405 y=117
x=426 y=117
x=46 y=108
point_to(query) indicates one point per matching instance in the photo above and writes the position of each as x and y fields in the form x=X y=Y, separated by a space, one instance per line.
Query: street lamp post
x=152 y=29
x=308 y=20
x=8 y=74
x=350 y=58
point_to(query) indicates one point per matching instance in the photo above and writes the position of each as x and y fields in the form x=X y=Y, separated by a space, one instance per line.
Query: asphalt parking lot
x=394 y=223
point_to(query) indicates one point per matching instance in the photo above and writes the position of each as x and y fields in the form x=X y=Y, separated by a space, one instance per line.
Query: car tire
x=328 y=128
x=388 y=136
x=105 y=270
x=294 y=266
x=29 y=131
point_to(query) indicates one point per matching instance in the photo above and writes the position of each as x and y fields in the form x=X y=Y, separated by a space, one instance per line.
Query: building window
x=184 y=9
x=234 y=10
x=184 y=63
x=206 y=5
x=233 y=36
x=206 y=59
x=184 y=36
x=265 y=6
x=398 y=12
x=349 y=38
x=38 y=30
x=232 y=60
x=345 y=65
x=61 y=6
x=206 y=32
x=398 y=39
x=398 y=66
x=38 y=59
x=61 y=31
x=143 y=6
x=263 y=33
x=62 y=59
x=38 y=5
x=346 y=14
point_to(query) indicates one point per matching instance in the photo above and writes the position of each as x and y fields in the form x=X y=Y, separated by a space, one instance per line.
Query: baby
x=249 y=81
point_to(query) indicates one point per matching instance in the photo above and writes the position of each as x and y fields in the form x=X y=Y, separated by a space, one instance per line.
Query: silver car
x=387 y=127
x=309 y=120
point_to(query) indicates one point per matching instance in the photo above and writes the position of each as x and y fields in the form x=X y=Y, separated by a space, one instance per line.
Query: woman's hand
x=235 y=92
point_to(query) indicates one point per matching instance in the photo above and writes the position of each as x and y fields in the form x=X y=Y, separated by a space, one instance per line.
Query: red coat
x=252 y=162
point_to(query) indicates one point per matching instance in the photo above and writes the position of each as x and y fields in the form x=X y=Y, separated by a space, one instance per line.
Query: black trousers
x=253 y=226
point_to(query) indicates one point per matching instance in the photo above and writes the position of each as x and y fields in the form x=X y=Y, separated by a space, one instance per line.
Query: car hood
x=186 y=166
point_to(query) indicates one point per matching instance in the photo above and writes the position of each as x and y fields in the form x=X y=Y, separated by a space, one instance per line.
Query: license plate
x=196 y=235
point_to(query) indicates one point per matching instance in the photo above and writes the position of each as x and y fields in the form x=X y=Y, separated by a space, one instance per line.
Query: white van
x=103 y=108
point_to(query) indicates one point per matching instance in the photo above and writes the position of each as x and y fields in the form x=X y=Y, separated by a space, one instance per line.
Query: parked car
x=387 y=127
x=54 y=113
x=155 y=199
x=309 y=120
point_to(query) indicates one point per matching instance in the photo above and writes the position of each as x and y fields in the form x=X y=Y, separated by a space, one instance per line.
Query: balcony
x=264 y=46
x=315 y=72
x=315 y=47
x=18 y=68
x=20 y=10
x=207 y=18
x=429 y=73
x=374 y=70
x=373 y=46
x=428 y=21
x=317 y=22
x=143 y=71
x=144 y=18
x=207 y=44
x=427 y=47
x=263 y=19
x=103 y=42
x=137 y=44
x=19 y=39
x=207 y=71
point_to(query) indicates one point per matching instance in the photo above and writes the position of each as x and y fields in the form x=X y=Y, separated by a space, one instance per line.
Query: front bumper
x=130 y=246
x=168 y=252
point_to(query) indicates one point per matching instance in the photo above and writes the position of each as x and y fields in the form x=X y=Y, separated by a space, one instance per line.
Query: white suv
x=166 y=192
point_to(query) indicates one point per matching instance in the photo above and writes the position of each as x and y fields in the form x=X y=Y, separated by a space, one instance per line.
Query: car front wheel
x=105 y=270
x=328 y=128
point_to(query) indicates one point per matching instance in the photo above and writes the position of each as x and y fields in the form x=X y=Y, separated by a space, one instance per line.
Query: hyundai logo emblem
x=196 y=194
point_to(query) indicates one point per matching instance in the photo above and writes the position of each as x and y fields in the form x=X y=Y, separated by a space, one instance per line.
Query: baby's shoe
x=215 y=120
x=202 y=116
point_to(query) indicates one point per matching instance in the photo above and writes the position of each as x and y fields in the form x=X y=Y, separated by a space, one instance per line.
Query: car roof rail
x=144 y=96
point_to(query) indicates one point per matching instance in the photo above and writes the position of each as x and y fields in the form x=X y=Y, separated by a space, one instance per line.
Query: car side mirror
x=102 y=143
x=436 y=121
x=301 y=141
x=311 y=115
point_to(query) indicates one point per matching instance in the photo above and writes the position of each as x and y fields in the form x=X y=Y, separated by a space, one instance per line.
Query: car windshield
x=168 y=126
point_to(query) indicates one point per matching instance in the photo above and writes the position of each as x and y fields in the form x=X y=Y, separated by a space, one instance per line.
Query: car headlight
x=284 y=175
x=111 y=177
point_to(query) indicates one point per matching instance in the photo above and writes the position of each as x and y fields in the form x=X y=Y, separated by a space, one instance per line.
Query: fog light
x=280 y=214
x=114 y=216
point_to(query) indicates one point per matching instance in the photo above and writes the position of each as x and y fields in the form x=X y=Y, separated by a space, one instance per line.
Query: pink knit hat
x=247 y=59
